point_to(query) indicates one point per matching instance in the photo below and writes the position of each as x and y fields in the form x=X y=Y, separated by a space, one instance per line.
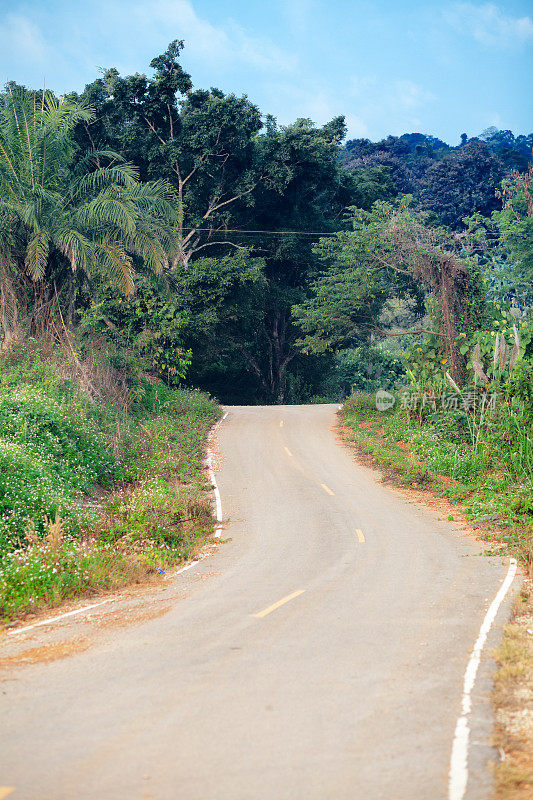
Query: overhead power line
x=271 y=233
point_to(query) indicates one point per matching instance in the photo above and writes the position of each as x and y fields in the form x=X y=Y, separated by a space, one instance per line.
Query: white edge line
x=188 y=566
x=85 y=608
x=110 y=599
x=218 y=501
x=61 y=616
x=459 y=758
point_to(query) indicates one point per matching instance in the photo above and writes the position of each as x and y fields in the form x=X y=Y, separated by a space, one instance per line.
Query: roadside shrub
x=166 y=513
x=29 y=491
x=359 y=402
x=367 y=369
x=171 y=441
x=46 y=461
x=43 y=574
x=77 y=455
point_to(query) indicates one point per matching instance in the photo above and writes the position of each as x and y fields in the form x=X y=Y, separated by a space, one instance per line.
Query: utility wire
x=272 y=233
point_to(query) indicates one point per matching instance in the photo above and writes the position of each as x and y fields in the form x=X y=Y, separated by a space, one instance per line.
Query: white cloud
x=82 y=40
x=367 y=102
x=399 y=94
x=357 y=127
x=494 y=119
x=259 y=52
x=376 y=101
x=359 y=85
x=314 y=102
x=489 y=25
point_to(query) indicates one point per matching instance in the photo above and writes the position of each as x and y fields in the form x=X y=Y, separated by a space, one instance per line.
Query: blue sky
x=389 y=67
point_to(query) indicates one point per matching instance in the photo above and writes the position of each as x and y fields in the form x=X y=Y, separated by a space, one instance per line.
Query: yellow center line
x=327 y=489
x=281 y=423
x=278 y=604
x=5 y=790
x=360 y=535
x=288 y=451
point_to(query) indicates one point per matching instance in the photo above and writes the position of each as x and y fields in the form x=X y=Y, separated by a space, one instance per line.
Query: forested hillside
x=450 y=182
x=186 y=230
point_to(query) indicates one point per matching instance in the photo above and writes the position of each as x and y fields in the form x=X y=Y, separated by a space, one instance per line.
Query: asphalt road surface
x=318 y=654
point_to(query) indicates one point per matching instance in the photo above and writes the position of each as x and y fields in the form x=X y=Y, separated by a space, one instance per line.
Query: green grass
x=93 y=496
x=49 y=454
x=485 y=469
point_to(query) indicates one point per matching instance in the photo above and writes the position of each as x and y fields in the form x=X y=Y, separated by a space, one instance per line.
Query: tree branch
x=211 y=244
x=216 y=207
x=152 y=128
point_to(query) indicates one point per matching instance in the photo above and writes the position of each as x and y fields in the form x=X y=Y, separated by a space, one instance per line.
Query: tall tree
x=390 y=252
x=305 y=192
x=462 y=184
x=55 y=220
x=515 y=223
x=202 y=142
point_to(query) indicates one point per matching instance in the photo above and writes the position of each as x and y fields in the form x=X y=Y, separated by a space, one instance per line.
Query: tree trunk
x=9 y=312
x=270 y=370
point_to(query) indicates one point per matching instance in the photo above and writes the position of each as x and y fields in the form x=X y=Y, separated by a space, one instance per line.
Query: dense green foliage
x=365 y=368
x=47 y=458
x=515 y=225
x=216 y=216
x=92 y=496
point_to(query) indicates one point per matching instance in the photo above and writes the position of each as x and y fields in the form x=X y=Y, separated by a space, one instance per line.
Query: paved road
x=348 y=690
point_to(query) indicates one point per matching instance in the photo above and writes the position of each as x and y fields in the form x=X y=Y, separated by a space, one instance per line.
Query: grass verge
x=435 y=455
x=94 y=496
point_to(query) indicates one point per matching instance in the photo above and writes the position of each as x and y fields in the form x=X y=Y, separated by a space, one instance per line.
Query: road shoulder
x=510 y=668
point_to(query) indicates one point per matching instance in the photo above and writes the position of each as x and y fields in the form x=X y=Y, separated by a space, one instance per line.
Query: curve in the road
x=320 y=653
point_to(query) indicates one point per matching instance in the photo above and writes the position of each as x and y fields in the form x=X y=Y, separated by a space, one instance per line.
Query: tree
x=462 y=184
x=202 y=142
x=515 y=223
x=360 y=155
x=181 y=320
x=305 y=191
x=390 y=252
x=56 y=221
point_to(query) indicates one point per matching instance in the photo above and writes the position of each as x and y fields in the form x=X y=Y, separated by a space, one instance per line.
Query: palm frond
x=29 y=143
x=77 y=248
x=91 y=160
x=116 y=263
x=29 y=215
x=118 y=175
x=61 y=116
x=37 y=255
x=148 y=246
x=108 y=210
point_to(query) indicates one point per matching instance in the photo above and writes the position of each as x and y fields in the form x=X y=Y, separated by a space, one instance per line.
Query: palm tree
x=93 y=217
